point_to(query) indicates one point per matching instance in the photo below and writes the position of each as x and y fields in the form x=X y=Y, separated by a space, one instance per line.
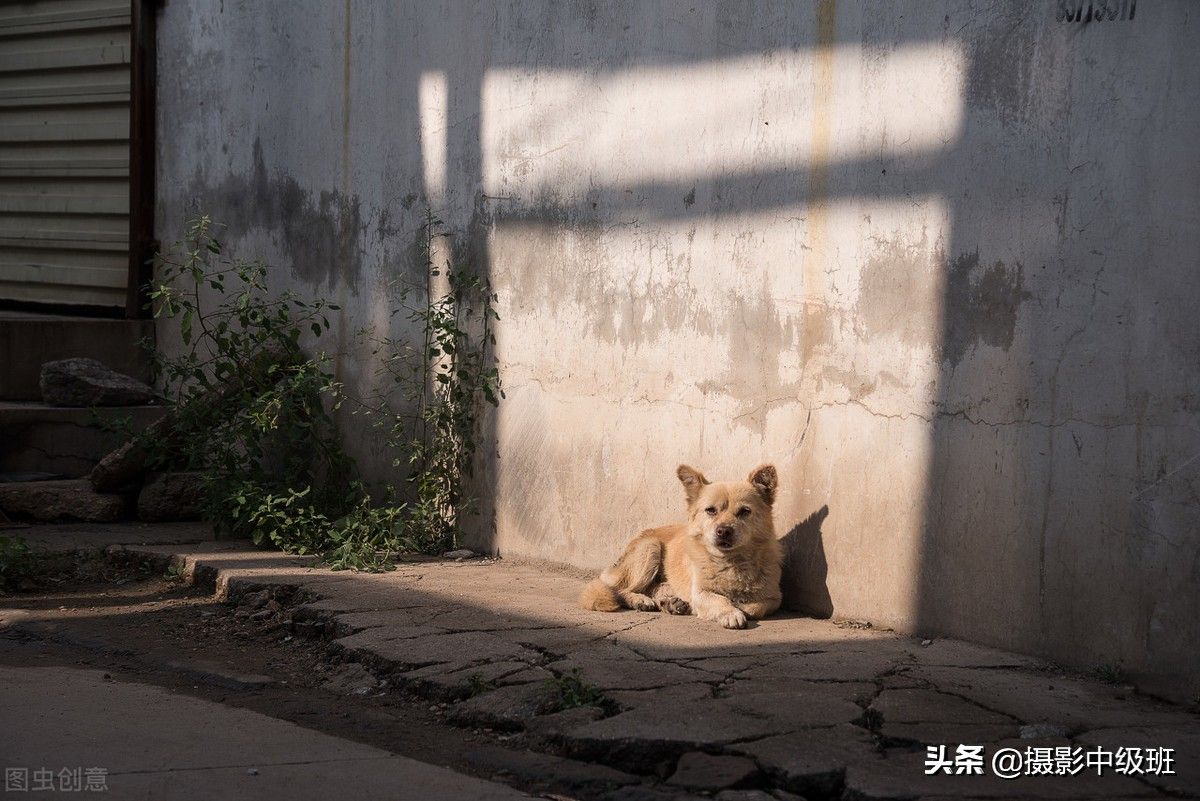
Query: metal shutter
x=64 y=151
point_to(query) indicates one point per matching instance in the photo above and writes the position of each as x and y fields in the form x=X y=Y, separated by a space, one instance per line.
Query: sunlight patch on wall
x=563 y=131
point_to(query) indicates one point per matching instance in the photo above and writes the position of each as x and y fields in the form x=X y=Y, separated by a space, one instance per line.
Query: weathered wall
x=936 y=260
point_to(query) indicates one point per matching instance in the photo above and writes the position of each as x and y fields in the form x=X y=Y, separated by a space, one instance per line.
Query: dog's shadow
x=805 y=568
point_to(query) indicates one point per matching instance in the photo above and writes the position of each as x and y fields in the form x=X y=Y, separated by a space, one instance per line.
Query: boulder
x=87 y=382
x=171 y=496
x=60 y=500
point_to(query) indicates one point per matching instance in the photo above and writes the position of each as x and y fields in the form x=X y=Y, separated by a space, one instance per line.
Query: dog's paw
x=675 y=606
x=733 y=619
x=642 y=603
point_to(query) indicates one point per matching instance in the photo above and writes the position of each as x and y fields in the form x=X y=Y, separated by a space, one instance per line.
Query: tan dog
x=724 y=563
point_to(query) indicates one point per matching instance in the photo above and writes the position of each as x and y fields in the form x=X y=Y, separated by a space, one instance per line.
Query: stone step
x=63 y=441
x=27 y=341
x=72 y=499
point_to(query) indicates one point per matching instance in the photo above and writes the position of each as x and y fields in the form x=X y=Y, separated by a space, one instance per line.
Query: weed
x=871 y=718
x=17 y=563
x=570 y=690
x=174 y=572
x=440 y=378
x=478 y=685
x=1110 y=673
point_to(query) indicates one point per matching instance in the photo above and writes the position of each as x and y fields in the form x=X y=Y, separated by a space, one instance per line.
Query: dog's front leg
x=760 y=609
x=664 y=595
x=711 y=606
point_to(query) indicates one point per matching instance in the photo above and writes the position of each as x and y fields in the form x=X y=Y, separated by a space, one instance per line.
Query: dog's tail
x=599 y=597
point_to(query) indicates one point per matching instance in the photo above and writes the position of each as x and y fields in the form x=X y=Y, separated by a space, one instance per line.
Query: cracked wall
x=937 y=265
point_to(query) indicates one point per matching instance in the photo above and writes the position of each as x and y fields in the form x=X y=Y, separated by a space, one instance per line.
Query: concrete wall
x=935 y=259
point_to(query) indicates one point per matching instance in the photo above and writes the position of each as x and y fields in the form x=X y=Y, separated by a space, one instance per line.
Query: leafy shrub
x=251 y=409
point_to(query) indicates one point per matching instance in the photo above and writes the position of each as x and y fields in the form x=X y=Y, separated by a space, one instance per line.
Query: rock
x=87 y=382
x=60 y=500
x=697 y=770
x=351 y=678
x=255 y=600
x=121 y=467
x=171 y=496
x=461 y=553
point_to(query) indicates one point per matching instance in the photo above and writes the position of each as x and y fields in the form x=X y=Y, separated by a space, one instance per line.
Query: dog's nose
x=724 y=531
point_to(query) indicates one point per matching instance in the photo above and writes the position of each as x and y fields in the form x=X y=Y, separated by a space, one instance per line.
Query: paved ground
x=791 y=705
x=69 y=731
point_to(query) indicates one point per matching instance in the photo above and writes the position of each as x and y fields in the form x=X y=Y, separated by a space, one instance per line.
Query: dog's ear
x=764 y=479
x=692 y=480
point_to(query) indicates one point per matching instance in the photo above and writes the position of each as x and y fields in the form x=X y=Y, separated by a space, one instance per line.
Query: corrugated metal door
x=64 y=151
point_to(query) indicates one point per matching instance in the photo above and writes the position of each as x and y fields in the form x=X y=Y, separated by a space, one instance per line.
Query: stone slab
x=70 y=499
x=697 y=770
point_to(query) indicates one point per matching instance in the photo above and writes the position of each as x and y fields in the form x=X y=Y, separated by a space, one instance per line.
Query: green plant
x=872 y=718
x=248 y=405
x=569 y=690
x=478 y=685
x=17 y=562
x=440 y=377
x=250 y=408
x=1110 y=673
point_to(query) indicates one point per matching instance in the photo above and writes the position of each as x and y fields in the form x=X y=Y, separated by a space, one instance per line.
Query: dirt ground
x=156 y=629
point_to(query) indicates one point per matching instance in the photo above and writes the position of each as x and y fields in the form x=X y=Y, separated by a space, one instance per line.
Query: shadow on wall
x=805 y=569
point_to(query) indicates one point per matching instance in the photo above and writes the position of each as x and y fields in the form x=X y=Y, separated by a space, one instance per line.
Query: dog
x=723 y=564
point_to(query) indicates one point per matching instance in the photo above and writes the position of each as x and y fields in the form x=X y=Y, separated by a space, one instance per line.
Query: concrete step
x=61 y=500
x=66 y=442
x=28 y=340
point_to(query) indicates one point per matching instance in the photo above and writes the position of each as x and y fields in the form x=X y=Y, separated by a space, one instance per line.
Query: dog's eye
x=744 y=511
x=712 y=511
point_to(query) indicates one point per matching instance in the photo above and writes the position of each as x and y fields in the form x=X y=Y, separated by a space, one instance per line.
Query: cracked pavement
x=819 y=708
x=667 y=707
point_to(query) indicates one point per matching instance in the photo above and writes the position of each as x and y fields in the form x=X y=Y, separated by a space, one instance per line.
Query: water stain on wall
x=566 y=245
x=1002 y=67
x=980 y=308
x=319 y=235
x=896 y=284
